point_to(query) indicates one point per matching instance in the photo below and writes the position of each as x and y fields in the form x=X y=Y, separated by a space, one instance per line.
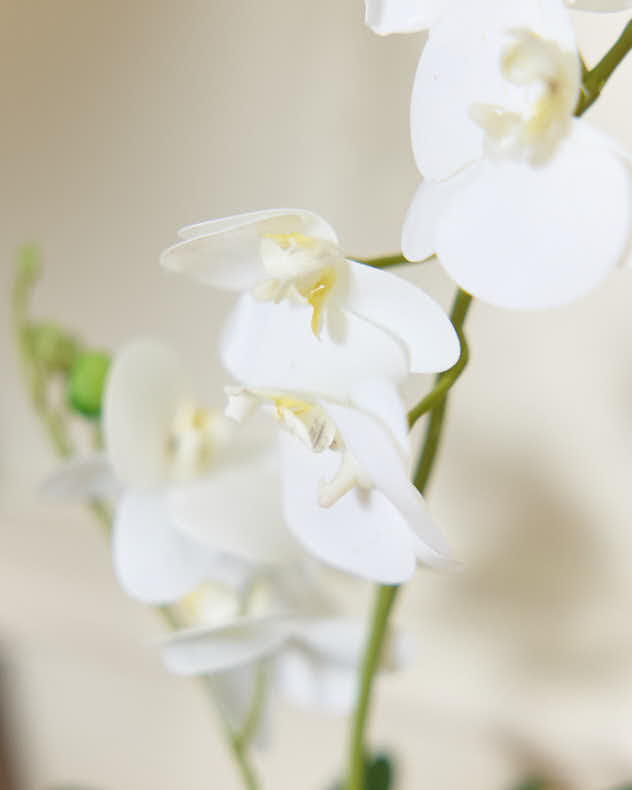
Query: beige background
x=122 y=121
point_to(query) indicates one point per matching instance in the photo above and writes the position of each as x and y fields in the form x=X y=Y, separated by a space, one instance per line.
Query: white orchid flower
x=346 y=491
x=198 y=503
x=291 y=258
x=307 y=652
x=409 y=16
x=525 y=205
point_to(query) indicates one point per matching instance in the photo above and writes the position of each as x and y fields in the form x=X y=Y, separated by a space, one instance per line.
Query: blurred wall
x=122 y=121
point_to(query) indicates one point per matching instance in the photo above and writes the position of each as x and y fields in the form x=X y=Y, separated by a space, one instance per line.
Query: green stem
x=384 y=600
x=249 y=730
x=246 y=770
x=462 y=302
x=386 y=595
x=594 y=79
x=35 y=379
x=236 y=741
x=390 y=260
x=444 y=382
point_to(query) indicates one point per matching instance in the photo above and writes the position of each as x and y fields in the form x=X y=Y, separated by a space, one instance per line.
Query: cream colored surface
x=122 y=121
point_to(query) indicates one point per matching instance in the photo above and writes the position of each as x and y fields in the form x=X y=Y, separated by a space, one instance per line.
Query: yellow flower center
x=302 y=269
x=551 y=81
x=287 y=240
x=195 y=436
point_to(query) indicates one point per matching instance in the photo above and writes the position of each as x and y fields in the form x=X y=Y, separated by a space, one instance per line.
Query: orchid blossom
x=346 y=492
x=288 y=634
x=291 y=258
x=182 y=518
x=525 y=205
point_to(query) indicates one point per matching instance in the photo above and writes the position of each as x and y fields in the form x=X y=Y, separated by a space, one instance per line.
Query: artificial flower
x=346 y=492
x=409 y=16
x=525 y=205
x=290 y=636
x=292 y=257
x=197 y=502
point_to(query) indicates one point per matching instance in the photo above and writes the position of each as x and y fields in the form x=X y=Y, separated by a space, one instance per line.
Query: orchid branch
x=593 y=80
x=386 y=594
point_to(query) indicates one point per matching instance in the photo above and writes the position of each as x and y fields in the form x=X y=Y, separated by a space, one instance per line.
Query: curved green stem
x=430 y=445
x=386 y=595
x=593 y=80
x=446 y=380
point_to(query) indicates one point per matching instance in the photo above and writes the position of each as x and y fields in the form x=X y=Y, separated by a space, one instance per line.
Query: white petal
x=312 y=681
x=339 y=639
x=362 y=534
x=82 y=479
x=404 y=16
x=225 y=253
x=277 y=220
x=237 y=509
x=373 y=447
x=382 y=399
x=399 y=307
x=419 y=235
x=153 y=561
x=144 y=388
x=524 y=237
x=269 y=345
x=460 y=65
x=599 y=5
x=343 y=640
x=235 y=644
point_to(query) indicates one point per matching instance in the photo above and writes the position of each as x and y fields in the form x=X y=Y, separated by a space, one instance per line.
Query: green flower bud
x=86 y=382
x=53 y=347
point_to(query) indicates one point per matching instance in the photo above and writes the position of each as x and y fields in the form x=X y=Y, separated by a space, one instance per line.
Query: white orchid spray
x=220 y=518
x=346 y=455
x=513 y=182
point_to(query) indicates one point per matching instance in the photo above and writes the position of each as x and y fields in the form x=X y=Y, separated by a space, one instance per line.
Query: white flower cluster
x=525 y=205
x=219 y=511
x=216 y=505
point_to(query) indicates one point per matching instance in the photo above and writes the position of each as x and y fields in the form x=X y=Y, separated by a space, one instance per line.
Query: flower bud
x=86 y=382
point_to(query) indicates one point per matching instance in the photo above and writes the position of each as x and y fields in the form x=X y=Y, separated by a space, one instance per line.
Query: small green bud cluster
x=52 y=347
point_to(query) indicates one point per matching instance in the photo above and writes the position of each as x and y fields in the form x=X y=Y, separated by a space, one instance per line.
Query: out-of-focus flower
x=292 y=256
x=197 y=500
x=525 y=206
x=346 y=492
x=409 y=16
x=289 y=637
